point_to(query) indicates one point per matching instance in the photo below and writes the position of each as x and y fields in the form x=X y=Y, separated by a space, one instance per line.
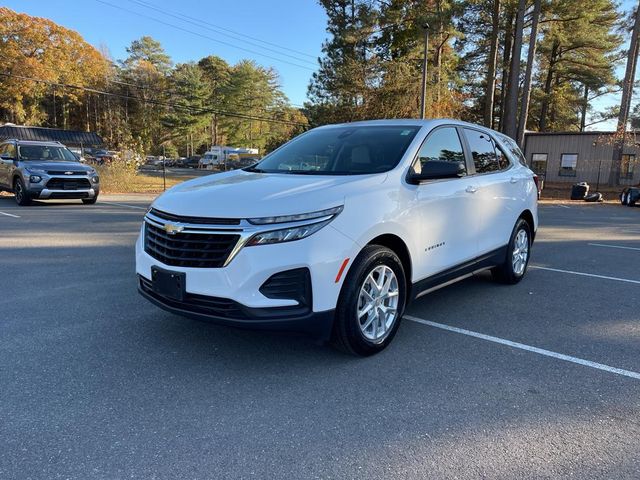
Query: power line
x=202 y=35
x=217 y=29
x=159 y=103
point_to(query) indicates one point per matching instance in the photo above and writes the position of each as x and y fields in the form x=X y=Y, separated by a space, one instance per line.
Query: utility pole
x=164 y=168
x=423 y=94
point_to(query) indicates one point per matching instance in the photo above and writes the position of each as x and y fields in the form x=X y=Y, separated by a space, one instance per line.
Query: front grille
x=216 y=306
x=196 y=250
x=68 y=184
x=65 y=172
x=194 y=220
x=290 y=284
x=63 y=195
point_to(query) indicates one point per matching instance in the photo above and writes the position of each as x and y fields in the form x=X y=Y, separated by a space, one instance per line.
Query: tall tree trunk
x=625 y=102
x=585 y=106
x=544 y=109
x=510 y=127
x=490 y=88
x=526 y=88
x=506 y=57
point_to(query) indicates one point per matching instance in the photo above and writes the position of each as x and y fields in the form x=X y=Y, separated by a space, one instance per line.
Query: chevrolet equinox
x=337 y=230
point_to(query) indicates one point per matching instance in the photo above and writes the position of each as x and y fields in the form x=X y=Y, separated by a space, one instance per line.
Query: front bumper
x=291 y=319
x=43 y=190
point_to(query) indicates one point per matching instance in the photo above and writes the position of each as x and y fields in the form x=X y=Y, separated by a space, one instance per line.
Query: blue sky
x=297 y=25
x=294 y=24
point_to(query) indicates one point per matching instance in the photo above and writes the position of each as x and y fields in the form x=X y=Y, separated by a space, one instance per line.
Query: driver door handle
x=471 y=189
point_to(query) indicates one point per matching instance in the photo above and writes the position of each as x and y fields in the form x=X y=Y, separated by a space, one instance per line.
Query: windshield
x=45 y=153
x=344 y=150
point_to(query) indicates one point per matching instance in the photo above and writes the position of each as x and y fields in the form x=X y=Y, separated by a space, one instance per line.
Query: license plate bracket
x=168 y=283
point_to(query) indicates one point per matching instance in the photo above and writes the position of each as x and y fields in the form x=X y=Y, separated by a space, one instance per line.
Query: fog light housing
x=35 y=179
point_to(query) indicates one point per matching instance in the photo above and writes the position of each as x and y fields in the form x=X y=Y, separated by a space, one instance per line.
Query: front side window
x=443 y=144
x=348 y=150
x=483 y=150
x=45 y=153
x=8 y=150
x=626 y=166
x=568 y=164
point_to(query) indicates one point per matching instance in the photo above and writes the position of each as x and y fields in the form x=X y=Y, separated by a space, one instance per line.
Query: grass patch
x=122 y=178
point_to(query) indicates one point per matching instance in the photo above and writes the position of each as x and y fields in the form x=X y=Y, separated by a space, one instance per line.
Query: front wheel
x=371 y=302
x=22 y=196
x=90 y=201
x=517 y=261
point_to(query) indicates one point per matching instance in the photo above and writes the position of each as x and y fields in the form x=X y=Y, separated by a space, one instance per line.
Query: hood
x=240 y=194
x=58 y=166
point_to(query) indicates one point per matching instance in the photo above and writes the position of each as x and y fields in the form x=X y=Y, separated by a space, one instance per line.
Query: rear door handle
x=514 y=180
x=471 y=189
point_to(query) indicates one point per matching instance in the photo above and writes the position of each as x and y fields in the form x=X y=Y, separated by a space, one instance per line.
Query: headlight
x=330 y=212
x=35 y=170
x=35 y=179
x=95 y=179
x=286 y=234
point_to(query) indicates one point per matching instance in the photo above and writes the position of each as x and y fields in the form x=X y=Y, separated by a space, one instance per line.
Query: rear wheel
x=22 y=196
x=371 y=302
x=517 y=261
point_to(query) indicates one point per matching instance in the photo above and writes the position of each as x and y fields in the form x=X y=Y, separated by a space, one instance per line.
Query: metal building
x=581 y=157
x=70 y=138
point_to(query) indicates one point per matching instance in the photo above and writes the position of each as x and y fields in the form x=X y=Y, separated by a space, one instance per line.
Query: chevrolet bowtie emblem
x=68 y=173
x=172 y=228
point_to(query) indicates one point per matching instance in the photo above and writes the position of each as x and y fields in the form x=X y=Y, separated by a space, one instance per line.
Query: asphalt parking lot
x=97 y=383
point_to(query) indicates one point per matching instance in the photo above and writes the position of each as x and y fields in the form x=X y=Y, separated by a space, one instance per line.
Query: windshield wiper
x=254 y=169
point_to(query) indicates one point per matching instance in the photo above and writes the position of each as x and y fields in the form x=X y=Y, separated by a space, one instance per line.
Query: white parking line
x=604 y=277
x=528 y=348
x=613 y=246
x=122 y=205
x=10 y=215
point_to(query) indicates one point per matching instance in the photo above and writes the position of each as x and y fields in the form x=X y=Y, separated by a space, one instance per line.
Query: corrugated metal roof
x=71 y=138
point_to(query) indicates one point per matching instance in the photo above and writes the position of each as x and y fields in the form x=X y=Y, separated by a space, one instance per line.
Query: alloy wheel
x=520 y=252
x=377 y=308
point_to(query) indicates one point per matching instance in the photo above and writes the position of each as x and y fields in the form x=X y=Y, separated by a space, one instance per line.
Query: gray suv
x=45 y=170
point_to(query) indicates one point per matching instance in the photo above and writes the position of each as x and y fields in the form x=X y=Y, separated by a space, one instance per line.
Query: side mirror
x=436 y=169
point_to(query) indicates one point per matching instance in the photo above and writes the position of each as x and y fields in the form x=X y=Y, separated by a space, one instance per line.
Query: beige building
x=580 y=157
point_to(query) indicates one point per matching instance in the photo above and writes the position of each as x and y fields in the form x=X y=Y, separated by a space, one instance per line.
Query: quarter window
x=568 y=164
x=483 y=150
x=443 y=145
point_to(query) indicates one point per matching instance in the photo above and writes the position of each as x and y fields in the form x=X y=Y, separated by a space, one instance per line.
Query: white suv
x=336 y=231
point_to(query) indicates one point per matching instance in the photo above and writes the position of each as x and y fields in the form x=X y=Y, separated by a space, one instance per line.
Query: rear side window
x=483 y=150
x=442 y=144
x=513 y=148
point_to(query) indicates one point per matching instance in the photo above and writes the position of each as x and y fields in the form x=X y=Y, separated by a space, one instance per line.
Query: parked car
x=192 y=162
x=630 y=196
x=337 y=230
x=45 y=170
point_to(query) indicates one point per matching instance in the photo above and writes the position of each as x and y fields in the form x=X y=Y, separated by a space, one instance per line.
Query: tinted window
x=348 y=150
x=483 y=151
x=503 y=161
x=513 y=148
x=442 y=144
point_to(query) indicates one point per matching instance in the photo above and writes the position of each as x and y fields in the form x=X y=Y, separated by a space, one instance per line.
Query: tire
x=367 y=334
x=90 y=201
x=622 y=198
x=22 y=195
x=512 y=271
x=625 y=198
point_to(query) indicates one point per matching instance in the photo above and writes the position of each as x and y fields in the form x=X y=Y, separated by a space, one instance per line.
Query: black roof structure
x=70 y=138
